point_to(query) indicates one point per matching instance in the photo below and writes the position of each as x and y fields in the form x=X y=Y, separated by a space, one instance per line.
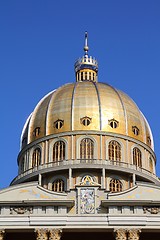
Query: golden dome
x=87 y=106
x=86 y=124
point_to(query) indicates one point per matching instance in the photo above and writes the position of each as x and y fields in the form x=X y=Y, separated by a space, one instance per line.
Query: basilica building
x=86 y=167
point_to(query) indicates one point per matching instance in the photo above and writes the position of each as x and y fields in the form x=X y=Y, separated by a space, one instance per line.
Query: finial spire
x=86 y=48
x=86 y=68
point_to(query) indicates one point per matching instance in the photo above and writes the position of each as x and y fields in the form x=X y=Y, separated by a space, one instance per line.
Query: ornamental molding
x=127 y=234
x=41 y=234
x=152 y=210
x=48 y=234
x=2 y=233
x=87 y=180
x=133 y=234
x=120 y=234
x=55 y=234
x=21 y=210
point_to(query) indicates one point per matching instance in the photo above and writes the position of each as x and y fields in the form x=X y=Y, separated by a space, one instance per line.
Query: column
x=101 y=154
x=43 y=153
x=120 y=234
x=46 y=152
x=134 y=179
x=2 y=232
x=103 y=185
x=70 y=179
x=41 y=234
x=134 y=234
x=27 y=160
x=55 y=234
x=40 y=179
x=72 y=147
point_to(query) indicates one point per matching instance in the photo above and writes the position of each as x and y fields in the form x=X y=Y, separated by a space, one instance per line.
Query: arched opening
x=114 y=151
x=137 y=157
x=86 y=149
x=36 y=157
x=58 y=185
x=59 y=151
x=115 y=185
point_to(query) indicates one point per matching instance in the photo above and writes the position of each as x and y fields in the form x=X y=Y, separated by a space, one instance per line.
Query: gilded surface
x=120 y=234
x=133 y=234
x=55 y=234
x=41 y=234
x=97 y=101
x=2 y=233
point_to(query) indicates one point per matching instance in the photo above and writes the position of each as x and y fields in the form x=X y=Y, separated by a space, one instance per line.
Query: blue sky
x=40 y=41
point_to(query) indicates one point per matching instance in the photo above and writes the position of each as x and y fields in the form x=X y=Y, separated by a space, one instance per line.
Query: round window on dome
x=113 y=123
x=85 y=121
x=58 y=124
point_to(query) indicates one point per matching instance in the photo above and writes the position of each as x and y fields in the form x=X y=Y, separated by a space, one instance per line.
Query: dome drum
x=68 y=150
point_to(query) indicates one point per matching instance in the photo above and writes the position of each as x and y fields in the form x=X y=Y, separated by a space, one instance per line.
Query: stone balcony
x=89 y=164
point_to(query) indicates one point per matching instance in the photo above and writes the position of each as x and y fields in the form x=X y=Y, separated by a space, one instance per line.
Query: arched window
x=59 y=151
x=36 y=157
x=114 y=151
x=36 y=132
x=115 y=185
x=113 y=123
x=135 y=130
x=86 y=149
x=58 y=185
x=137 y=157
x=58 y=124
x=85 y=121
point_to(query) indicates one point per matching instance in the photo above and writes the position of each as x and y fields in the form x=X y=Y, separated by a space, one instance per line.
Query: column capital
x=2 y=232
x=41 y=234
x=133 y=234
x=120 y=234
x=55 y=233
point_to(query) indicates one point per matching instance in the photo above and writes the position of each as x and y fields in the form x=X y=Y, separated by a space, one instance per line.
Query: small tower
x=86 y=68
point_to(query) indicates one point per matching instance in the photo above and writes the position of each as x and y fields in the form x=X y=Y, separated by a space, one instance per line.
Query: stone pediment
x=32 y=193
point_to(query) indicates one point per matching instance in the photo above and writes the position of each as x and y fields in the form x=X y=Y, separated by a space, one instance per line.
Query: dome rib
x=72 y=106
x=45 y=130
x=99 y=104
